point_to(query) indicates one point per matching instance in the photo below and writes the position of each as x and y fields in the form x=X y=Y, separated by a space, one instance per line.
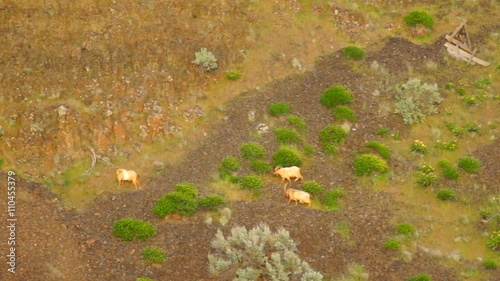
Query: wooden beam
x=463 y=55
x=458 y=29
x=471 y=56
x=456 y=42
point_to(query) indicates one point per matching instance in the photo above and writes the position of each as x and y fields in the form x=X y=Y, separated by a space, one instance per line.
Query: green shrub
x=416 y=100
x=354 y=53
x=286 y=157
x=251 y=182
x=205 y=59
x=297 y=122
x=153 y=254
x=211 y=202
x=382 y=131
x=490 y=264
x=233 y=75
x=448 y=170
x=331 y=198
x=482 y=83
x=308 y=149
x=331 y=136
x=252 y=151
x=228 y=166
x=286 y=136
x=419 y=146
x=469 y=164
x=342 y=112
x=381 y=149
x=131 y=229
x=336 y=95
x=420 y=277
x=494 y=241
x=312 y=188
x=181 y=201
x=279 y=108
x=426 y=176
x=392 y=243
x=367 y=164
x=144 y=279
x=446 y=194
x=260 y=167
x=406 y=229
x=450 y=146
x=417 y=17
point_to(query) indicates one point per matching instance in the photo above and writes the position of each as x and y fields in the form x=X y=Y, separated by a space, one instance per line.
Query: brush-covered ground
x=109 y=85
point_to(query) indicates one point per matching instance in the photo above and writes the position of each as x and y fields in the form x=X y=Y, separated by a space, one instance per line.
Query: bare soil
x=59 y=244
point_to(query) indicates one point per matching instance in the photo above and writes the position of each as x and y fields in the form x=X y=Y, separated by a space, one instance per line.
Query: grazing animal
x=287 y=173
x=298 y=196
x=124 y=175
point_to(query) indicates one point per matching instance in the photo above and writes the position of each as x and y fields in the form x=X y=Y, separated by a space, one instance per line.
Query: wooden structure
x=460 y=47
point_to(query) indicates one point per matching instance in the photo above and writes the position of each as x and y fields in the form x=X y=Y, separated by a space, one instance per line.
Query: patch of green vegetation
x=426 y=176
x=154 y=254
x=392 y=243
x=286 y=157
x=367 y=164
x=279 y=108
x=494 y=241
x=353 y=53
x=420 y=277
x=381 y=149
x=445 y=194
x=455 y=130
x=253 y=183
x=312 y=187
x=144 y=279
x=336 y=95
x=342 y=112
x=298 y=122
x=419 y=147
x=448 y=170
x=252 y=151
x=233 y=75
x=382 y=131
x=129 y=229
x=482 y=83
x=228 y=166
x=469 y=164
x=286 y=136
x=181 y=201
x=260 y=167
x=417 y=17
x=405 y=229
x=211 y=202
x=450 y=146
x=342 y=228
x=331 y=198
x=331 y=136
x=308 y=149
x=490 y=264
x=416 y=100
x=205 y=59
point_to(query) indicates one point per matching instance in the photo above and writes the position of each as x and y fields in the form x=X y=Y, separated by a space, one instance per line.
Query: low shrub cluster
x=205 y=59
x=251 y=182
x=279 y=108
x=228 y=166
x=406 y=229
x=450 y=146
x=419 y=147
x=153 y=254
x=426 y=176
x=286 y=157
x=313 y=188
x=331 y=136
x=416 y=100
x=380 y=148
x=367 y=164
x=260 y=167
x=233 y=75
x=251 y=151
x=420 y=277
x=448 y=170
x=446 y=194
x=354 y=53
x=181 y=201
x=298 y=122
x=133 y=229
x=144 y=279
x=494 y=241
x=286 y=136
x=336 y=95
x=342 y=112
x=417 y=17
x=331 y=198
x=393 y=244
x=469 y=164
x=211 y=202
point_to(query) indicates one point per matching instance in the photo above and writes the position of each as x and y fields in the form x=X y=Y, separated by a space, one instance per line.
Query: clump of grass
x=417 y=17
x=448 y=170
x=469 y=164
x=494 y=241
x=312 y=187
x=419 y=147
x=381 y=149
x=228 y=166
x=490 y=264
x=298 y=122
x=252 y=183
x=368 y=164
x=420 y=277
x=353 y=53
x=211 y=202
x=392 y=243
x=279 y=108
x=382 y=131
x=331 y=198
x=260 y=167
x=342 y=112
x=446 y=194
x=336 y=95
x=426 y=176
x=133 y=229
x=233 y=75
x=252 y=151
x=144 y=279
x=331 y=136
x=450 y=146
x=153 y=254
x=286 y=157
x=482 y=83
x=286 y=136
x=405 y=229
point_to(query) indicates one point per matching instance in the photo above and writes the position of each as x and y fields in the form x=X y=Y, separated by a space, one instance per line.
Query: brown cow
x=124 y=175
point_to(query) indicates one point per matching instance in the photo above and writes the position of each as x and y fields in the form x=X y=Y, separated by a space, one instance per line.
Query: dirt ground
x=59 y=244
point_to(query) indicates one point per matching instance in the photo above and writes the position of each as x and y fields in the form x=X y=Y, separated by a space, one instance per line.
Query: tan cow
x=124 y=175
x=287 y=173
x=298 y=196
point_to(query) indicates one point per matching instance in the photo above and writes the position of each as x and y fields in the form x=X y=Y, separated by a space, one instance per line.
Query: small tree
x=129 y=229
x=181 y=201
x=258 y=254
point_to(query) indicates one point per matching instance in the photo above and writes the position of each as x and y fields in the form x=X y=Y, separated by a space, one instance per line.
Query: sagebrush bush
x=154 y=254
x=233 y=75
x=258 y=254
x=416 y=100
x=446 y=194
x=392 y=243
x=336 y=95
x=331 y=136
x=381 y=149
x=205 y=59
x=252 y=151
x=286 y=136
x=228 y=166
x=260 y=167
x=312 y=187
x=354 y=53
x=367 y=164
x=405 y=229
x=342 y=112
x=251 y=182
x=298 y=122
x=182 y=201
x=286 y=157
x=211 y=202
x=448 y=171
x=279 y=108
x=133 y=229
x=331 y=198
x=417 y=17
x=469 y=164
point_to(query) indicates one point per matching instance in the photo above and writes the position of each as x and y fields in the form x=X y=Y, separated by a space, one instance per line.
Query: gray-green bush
x=416 y=100
x=205 y=59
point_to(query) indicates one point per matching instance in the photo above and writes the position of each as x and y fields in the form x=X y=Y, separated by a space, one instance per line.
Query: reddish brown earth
x=59 y=244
